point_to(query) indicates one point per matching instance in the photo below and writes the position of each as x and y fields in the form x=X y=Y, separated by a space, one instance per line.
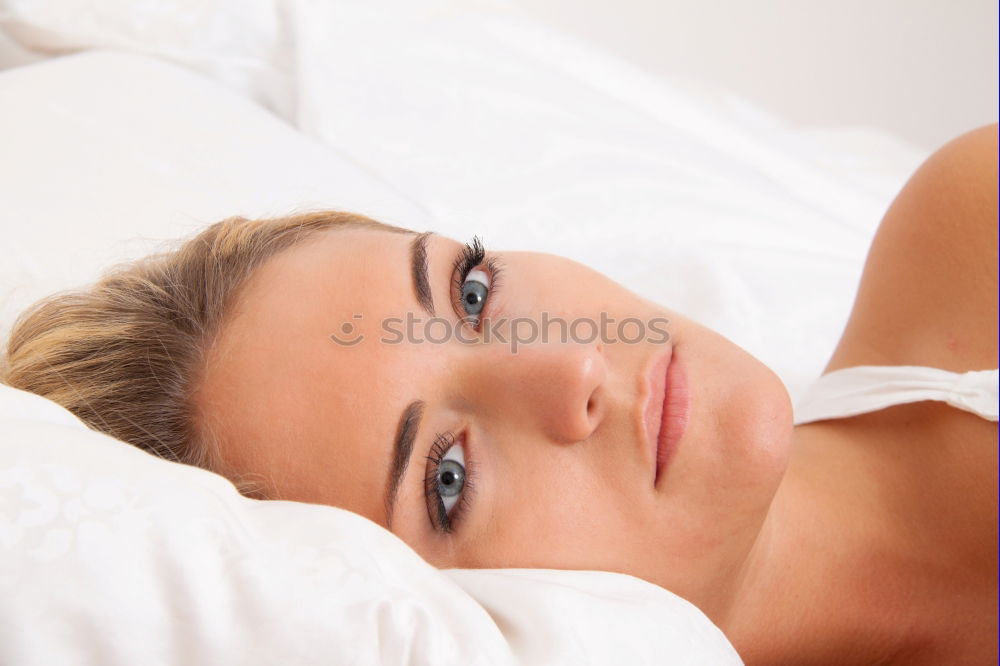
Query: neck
x=806 y=589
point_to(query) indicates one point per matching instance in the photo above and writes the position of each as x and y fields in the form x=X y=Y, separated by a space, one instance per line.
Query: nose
x=552 y=387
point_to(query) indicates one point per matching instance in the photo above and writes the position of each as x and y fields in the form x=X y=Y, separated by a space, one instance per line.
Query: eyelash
x=439 y=517
x=472 y=256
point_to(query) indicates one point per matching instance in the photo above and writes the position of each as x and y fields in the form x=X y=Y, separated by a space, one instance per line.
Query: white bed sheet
x=492 y=124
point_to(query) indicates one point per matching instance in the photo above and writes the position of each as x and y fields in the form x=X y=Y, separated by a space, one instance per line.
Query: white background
x=924 y=70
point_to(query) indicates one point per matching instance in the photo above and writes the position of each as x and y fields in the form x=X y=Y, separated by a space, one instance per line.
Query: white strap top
x=869 y=388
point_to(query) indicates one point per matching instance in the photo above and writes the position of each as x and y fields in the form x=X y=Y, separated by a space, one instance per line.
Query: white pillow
x=110 y=555
x=241 y=43
x=106 y=156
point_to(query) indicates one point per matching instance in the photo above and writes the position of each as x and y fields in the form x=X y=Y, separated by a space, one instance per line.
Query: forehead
x=287 y=402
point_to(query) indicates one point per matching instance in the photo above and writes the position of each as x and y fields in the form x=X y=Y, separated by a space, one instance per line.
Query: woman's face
x=330 y=378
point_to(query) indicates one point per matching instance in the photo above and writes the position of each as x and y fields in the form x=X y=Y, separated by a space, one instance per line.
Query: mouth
x=666 y=411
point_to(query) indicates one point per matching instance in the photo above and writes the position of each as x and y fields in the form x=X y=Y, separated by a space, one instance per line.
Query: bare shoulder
x=928 y=295
x=926 y=472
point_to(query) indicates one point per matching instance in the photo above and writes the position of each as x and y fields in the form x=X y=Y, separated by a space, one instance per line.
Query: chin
x=766 y=415
x=735 y=453
x=727 y=470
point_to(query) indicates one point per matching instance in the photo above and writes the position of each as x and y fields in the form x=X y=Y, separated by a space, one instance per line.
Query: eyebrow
x=402 y=446
x=418 y=269
x=409 y=421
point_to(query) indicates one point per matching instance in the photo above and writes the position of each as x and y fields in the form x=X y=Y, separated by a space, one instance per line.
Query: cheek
x=540 y=282
x=587 y=528
x=554 y=512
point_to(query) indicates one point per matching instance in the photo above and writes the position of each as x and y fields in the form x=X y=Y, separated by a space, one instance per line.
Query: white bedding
x=460 y=118
x=113 y=557
x=484 y=122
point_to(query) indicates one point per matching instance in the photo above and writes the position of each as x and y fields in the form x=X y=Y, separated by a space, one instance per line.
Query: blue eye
x=450 y=477
x=475 y=291
x=448 y=483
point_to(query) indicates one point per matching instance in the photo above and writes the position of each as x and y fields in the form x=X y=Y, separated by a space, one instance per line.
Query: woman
x=328 y=358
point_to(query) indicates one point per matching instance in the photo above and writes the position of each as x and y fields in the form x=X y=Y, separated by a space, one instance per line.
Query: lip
x=667 y=409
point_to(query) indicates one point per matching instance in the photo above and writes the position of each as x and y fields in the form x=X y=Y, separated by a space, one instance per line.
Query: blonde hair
x=125 y=355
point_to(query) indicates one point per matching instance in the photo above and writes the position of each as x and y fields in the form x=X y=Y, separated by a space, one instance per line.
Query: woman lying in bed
x=520 y=410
